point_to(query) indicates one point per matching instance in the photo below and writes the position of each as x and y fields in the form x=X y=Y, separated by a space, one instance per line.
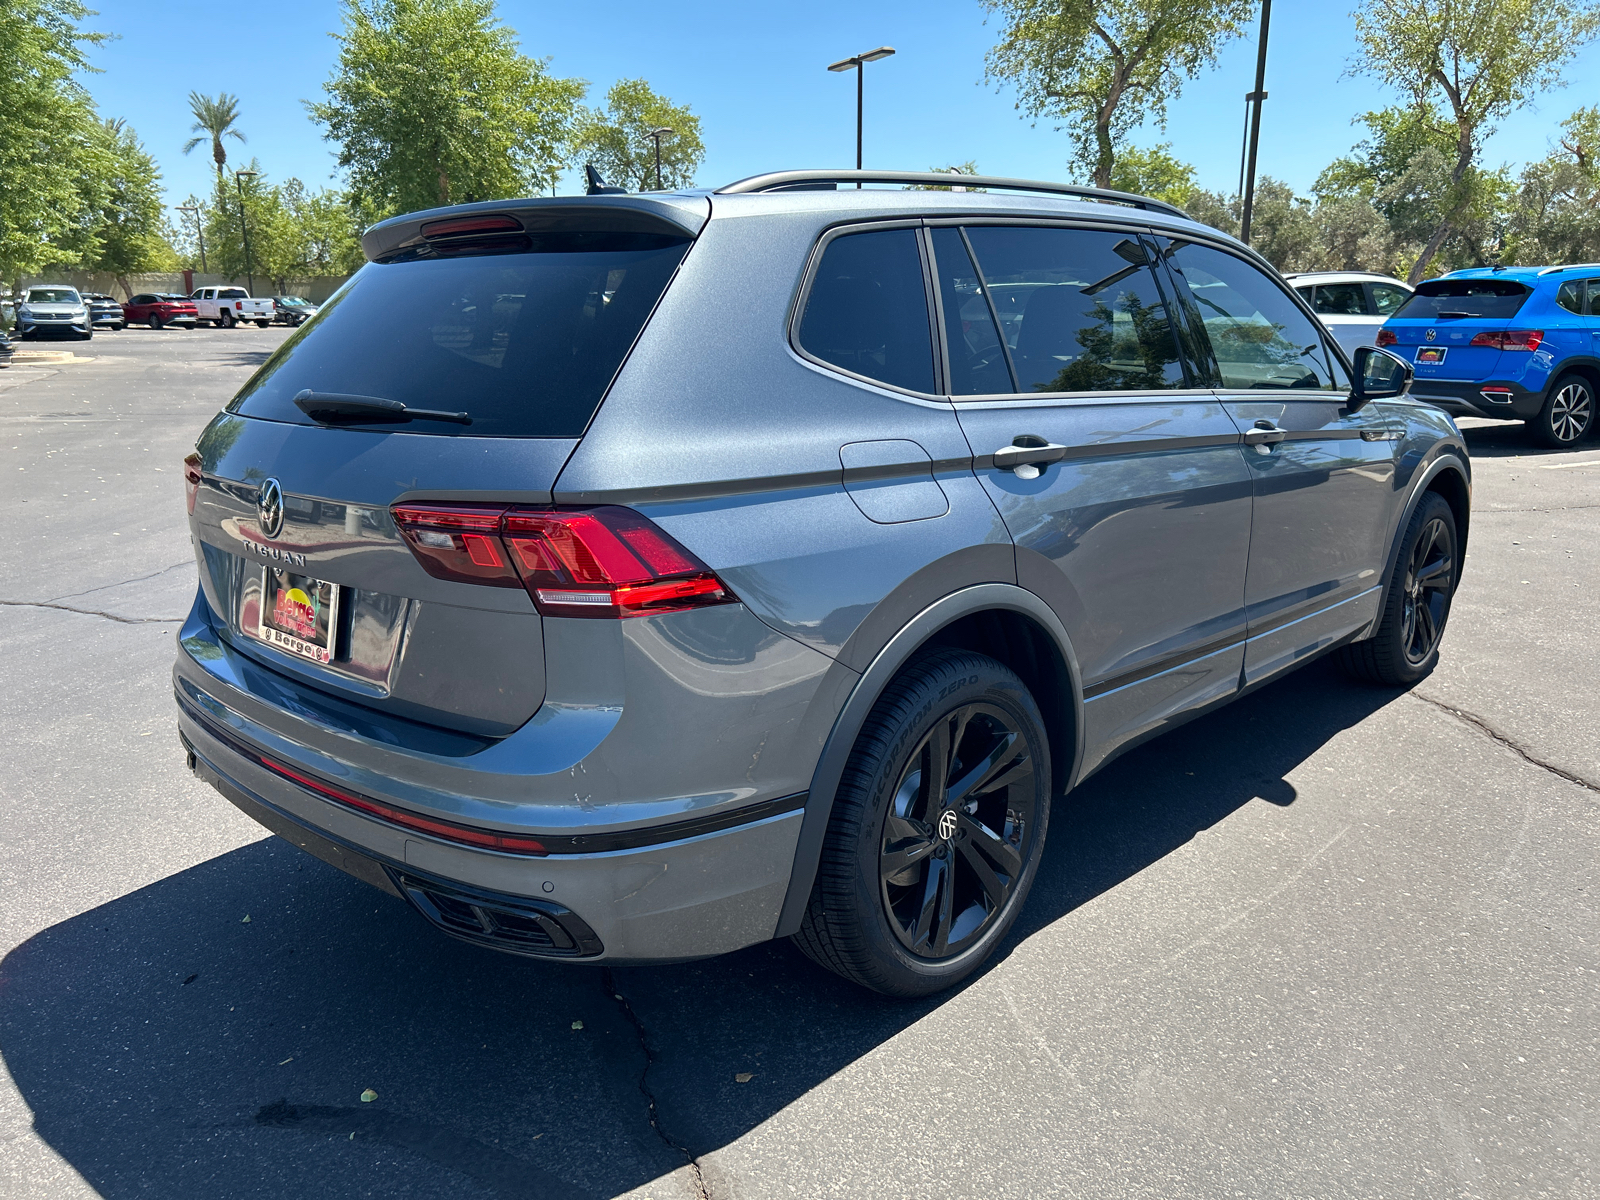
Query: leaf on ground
x=743 y=1077
x=368 y=1096
x=577 y=1024
x=290 y=1059
x=245 y=920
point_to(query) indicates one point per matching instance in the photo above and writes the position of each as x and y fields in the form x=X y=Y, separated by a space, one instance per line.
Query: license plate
x=297 y=614
x=1431 y=355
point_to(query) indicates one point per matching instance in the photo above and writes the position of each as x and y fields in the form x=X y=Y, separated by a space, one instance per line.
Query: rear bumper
x=1506 y=400
x=693 y=897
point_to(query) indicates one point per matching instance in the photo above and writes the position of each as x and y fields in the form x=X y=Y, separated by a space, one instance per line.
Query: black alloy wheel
x=1416 y=605
x=951 y=851
x=227 y=318
x=936 y=829
x=1568 y=414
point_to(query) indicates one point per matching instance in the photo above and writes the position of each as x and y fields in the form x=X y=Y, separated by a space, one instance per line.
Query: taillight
x=574 y=562
x=191 y=481
x=238 y=305
x=1510 y=339
x=1386 y=337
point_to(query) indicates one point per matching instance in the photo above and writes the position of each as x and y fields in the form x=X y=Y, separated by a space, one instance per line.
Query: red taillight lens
x=1510 y=339
x=1386 y=337
x=191 y=481
x=578 y=562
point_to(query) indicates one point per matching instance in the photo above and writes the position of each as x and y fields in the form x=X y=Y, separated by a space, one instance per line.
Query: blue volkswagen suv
x=1514 y=343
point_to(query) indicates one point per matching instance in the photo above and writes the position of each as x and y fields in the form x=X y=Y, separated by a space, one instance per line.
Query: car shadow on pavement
x=1510 y=439
x=214 y=1033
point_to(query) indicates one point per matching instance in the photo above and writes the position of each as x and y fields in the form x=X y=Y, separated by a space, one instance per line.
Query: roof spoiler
x=795 y=181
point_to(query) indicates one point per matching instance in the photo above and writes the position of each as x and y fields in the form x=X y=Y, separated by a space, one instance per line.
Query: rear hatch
x=500 y=345
x=1435 y=329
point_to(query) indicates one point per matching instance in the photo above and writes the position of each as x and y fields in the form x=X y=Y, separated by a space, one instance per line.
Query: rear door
x=1323 y=476
x=1134 y=522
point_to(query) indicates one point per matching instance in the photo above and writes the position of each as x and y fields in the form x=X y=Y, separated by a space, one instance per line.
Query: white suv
x=1353 y=305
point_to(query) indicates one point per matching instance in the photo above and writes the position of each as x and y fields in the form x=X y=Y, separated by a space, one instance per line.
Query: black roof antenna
x=598 y=186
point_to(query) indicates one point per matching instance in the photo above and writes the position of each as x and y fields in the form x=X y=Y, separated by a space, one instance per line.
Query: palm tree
x=214 y=119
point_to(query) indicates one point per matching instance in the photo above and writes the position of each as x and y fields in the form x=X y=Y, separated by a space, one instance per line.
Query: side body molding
x=899 y=650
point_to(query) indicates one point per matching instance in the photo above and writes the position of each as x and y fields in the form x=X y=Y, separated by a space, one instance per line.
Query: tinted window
x=1387 y=298
x=868 y=310
x=52 y=296
x=1340 y=300
x=1079 y=310
x=1594 y=297
x=526 y=343
x=232 y=294
x=1260 y=338
x=977 y=361
x=141 y=300
x=1493 y=298
x=1570 y=296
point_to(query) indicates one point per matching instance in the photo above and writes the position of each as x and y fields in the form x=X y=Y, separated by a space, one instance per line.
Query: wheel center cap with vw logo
x=947 y=824
x=269 y=508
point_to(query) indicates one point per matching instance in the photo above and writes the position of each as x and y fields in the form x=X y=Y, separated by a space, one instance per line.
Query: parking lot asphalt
x=1330 y=941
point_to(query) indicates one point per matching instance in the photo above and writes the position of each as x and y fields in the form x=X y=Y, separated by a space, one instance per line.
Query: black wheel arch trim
x=899 y=650
x=1447 y=458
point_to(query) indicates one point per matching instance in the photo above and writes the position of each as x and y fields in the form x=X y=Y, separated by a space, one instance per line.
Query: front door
x=1324 y=476
x=1120 y=482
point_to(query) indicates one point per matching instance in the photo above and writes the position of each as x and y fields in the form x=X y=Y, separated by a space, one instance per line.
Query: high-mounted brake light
x=1386 y=337
x=1510 y=339
x=462 y=226
x=191 y=481
x=574 y=562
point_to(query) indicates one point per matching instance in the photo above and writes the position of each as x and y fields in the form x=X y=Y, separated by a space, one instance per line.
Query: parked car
x=6 y=349
x=293 y=310
x=53 y=310
x=1353 y=305
x=160 y=309
x=103 y=310
x=1513 y=342
x=230 y=306
x=525 y=596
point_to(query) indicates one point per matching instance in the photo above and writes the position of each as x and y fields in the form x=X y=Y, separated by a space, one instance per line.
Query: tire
x=226 y=320
x=1417 y=605
x=901 y=872
x=1568 y=413
x=155 y=321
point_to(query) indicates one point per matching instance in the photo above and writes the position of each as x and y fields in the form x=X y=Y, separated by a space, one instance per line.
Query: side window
x=1387 y=299
x=1340 y=300
x=140 y=300
x=1079 y=309
x=868 y=310
x=1570 y=296
x=1261 y=340
x=977 y=360
x=1594 y=297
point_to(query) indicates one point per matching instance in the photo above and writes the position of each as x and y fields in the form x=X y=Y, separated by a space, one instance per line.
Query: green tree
x=1156 y=173
x=213 y=121
x=271 y=236
x=616 y=139
x=433 y=104
x=128 y=220
x=1478 y=60
x=970 y=167
x=1554 y=215
x=48 y=139
x=324 y=232
x=1104 y=66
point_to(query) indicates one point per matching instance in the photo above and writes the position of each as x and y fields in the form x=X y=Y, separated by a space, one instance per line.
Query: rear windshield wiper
x=336 y=408
x=1457 y=314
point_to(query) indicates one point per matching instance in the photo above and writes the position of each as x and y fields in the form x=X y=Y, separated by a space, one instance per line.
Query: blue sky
x=755 y=73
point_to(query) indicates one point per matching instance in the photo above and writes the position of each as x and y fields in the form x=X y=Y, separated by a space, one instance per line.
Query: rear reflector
x=191 y=481
x=1510 y=339
x=574 y=562
x=1386 y=337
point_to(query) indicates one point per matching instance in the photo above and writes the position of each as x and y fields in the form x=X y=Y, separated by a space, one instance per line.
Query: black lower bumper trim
x=516 y=924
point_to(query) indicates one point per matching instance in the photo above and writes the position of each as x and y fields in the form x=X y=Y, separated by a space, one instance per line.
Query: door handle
x=1264 y=434
x=1028 y=450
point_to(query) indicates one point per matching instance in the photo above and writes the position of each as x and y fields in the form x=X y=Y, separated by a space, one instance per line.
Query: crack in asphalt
x=650 y=1059
x=92 y=612
x=1493 y=734
x=122 y=582
x=1493 y=512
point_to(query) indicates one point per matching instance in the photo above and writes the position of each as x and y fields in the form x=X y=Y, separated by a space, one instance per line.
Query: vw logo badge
x=1431 y=334
x=947 y=824
x=269 y=508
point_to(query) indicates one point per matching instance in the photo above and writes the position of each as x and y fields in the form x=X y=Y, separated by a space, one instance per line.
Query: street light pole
x=199 y=232
x=857 y=62
x=244 y=228
x=656 y=135
x=1255 y=98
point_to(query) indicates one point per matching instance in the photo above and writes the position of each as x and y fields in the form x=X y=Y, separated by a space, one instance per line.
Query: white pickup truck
x=228 y=306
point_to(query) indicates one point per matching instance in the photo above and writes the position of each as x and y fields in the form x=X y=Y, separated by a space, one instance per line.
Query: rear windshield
x=232 y=294
x=524 y=343
x=1492 y=298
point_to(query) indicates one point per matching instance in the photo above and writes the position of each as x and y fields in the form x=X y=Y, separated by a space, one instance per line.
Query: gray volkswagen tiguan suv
x=640 y=577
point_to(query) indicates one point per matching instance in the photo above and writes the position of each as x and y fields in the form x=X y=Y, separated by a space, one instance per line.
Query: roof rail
x=792 y=181
x=1569 y=267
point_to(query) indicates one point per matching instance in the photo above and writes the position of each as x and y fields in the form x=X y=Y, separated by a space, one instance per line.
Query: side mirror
x=1379 y=375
